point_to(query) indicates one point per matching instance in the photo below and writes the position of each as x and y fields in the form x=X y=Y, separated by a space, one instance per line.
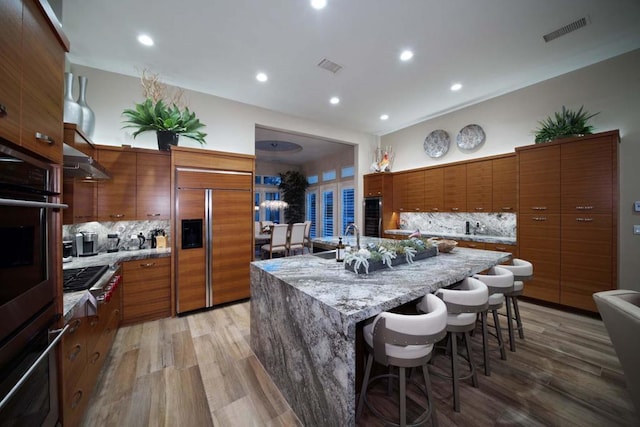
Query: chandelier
x=274 y=204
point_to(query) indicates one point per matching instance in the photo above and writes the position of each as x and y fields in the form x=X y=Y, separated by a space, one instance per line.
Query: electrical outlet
x=636 y=206
x=636 y=229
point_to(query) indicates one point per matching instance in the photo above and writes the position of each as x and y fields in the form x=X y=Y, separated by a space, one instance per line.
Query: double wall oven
x=28 y=311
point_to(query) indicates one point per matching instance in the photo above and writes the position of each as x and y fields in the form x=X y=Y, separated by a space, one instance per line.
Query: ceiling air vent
x=565 y=30
x=329 y=65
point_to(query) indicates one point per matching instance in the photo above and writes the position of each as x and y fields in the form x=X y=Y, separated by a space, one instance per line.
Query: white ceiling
x=217 y=47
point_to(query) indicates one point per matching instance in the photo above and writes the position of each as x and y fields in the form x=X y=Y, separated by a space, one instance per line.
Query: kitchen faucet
x=356 y=230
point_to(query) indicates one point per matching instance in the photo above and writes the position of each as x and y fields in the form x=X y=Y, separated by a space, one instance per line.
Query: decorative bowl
x=444 y=245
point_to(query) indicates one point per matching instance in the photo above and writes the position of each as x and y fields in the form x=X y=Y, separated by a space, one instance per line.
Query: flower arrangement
x=376 y=256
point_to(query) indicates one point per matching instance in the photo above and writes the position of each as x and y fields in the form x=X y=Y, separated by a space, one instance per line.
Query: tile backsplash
x=492 y=224
x=124 y=228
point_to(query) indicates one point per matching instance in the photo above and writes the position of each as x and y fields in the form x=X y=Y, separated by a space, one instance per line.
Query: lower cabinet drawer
x=472 y=245
x=76 y=399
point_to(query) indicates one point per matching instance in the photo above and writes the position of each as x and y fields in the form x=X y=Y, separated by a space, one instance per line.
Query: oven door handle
x=32 y=368
x=30 y=204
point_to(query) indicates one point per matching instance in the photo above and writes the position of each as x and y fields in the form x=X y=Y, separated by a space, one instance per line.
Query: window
x=347 y=172
x=271 y=180
x=258 y=179
x=257 y=205
x=310 y=214
x=327 y=213
x=312 y=179
x=329 y=175
x=348 y=207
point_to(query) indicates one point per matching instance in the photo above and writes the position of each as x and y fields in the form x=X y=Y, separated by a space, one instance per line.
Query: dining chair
x=278 y=241
x=296 y=238
x=307 y=235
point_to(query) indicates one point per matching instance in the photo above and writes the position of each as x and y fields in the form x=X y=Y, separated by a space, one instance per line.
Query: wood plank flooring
x=199 y=370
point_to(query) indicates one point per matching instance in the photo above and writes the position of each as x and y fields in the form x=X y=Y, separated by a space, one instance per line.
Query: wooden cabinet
x=146 y=290
x=567 y=224
x=414 y=193
x=373 y=185
x=434 y=190
x=10 y=68
x=153 y=185
x=80 y=196
x=455 y=188
x=85 y=347
x=117 y=196
x=471 y=244
x=504 y=184
x=400 y=181
x=502 y=247
x=32 y=64
x=480 y=186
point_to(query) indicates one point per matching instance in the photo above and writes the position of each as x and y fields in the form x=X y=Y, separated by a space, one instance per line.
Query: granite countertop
x=458 y=236
x=74 y=301
x=360 y=296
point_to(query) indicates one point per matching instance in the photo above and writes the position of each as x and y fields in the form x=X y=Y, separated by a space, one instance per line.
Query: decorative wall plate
x=470 y=137
x=436 y=144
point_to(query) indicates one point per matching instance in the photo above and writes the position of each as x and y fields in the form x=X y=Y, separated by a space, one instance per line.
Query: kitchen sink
x=325 y=255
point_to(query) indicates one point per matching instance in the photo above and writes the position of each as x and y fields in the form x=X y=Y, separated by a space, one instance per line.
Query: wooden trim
x=611 y=133
x=54 y=23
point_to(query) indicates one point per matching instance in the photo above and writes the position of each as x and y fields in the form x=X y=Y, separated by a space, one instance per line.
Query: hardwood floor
x=199 y=370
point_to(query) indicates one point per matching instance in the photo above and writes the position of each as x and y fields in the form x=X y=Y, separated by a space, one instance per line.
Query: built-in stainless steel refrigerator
x=372 y=217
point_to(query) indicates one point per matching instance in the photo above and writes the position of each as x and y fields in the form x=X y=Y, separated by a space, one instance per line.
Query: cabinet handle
x=455 y=209
x=539 y=218
x=147 y=265
x=95 y=321
x=95 y=358
x=479 y=209
x=76 y=351
x=584 y=208
x=507 y=208
x=153 y=214
x=45 y=138
x=471 y=245
x=117 y=215
x=77 y=397
x=501 y=248
x=539 y=208
x=584 y=219
x=417 y=209
x=3 y=111
x=435 y=209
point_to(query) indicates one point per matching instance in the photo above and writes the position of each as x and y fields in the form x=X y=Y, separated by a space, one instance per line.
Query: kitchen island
x=304 y=313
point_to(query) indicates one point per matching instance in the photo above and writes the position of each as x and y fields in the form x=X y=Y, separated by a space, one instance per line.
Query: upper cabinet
x=153 y=185
x=117 y=196
x=408 y=191
x=455 y=188
x=434 y=190
x=480 y=186
x=32 y=63
x=505 y=184
x=539 y=179
x=373 y=185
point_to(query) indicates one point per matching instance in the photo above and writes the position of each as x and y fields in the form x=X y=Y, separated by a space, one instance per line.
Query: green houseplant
x=293 y=185
x=564 y=124
x=167 y=121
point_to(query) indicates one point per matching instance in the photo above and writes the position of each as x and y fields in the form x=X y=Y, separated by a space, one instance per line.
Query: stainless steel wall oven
x=28 y=198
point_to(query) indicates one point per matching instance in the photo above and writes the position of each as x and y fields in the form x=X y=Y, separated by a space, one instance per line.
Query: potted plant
x=564 y=124
x=293 y=185
x=169 y=122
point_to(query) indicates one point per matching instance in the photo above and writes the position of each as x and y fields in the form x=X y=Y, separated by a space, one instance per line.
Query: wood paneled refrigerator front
x=214 y=226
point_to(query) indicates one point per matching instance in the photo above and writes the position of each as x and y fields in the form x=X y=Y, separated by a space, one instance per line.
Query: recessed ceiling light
x=145 y=40
x=456 y=87
x=334 y=100
x=384 y=117
x=261 y=77
x=318 y=4
x=406 y=55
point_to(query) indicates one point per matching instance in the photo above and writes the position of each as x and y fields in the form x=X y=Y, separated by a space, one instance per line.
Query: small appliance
x=87 y=243
x=67 y=250
x=113 y=240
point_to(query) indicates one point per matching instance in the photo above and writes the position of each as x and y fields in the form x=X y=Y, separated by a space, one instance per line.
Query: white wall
x=611 y=87
x=230 y=125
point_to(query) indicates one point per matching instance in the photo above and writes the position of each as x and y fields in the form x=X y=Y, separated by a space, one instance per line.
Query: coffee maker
x=86 y=243
x=113 y=240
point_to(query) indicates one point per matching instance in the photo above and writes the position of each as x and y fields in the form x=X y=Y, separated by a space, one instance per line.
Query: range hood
x=78 y=164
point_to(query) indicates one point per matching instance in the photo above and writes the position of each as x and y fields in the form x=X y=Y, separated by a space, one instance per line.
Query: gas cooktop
x=79 y=279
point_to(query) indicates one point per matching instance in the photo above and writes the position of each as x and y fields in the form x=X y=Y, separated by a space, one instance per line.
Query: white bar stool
x=499 y=281
x=464 y=302
x=522 y=271
x=404 y=341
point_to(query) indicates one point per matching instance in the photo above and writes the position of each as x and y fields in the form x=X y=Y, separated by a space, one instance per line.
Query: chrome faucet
x=356 y=230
